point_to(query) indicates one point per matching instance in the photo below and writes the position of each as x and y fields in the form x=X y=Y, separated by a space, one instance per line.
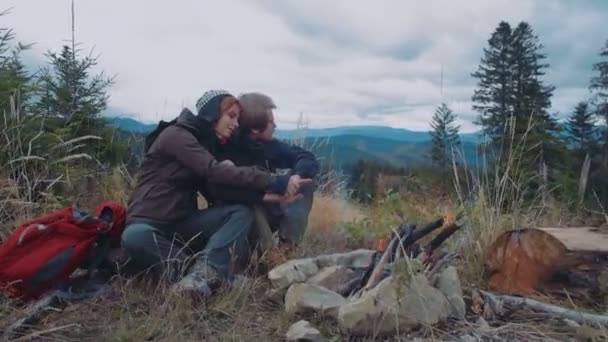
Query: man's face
x=268 y=132
x=228 y=122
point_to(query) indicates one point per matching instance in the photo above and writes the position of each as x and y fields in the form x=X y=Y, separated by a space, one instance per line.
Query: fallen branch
x=441 y=237
x=577 y=316
x=373 y=278
x=34 y=313
x=424 y=231
x=47 y=331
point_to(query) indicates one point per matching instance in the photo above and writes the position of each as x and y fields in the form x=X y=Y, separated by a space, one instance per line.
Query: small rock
x=571 y=323
x=293 y=271
x=332 y=277
x=359 y=258
x=276 y=295
x=482 y=324
x=303 y=331
x=304 y=298
x=468 y=338
x=587 y=333
x=449 y=284
x=393 y=305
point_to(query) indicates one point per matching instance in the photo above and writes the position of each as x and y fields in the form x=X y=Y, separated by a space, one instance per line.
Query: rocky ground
x=412 y=303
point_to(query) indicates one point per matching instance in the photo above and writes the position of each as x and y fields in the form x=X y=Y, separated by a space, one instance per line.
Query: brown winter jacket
x=178 y=162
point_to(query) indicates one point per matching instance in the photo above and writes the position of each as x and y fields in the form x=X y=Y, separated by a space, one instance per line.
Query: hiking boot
x=201 y=280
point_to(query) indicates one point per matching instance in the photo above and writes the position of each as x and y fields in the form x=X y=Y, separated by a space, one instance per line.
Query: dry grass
x=328 y=213
x=140 y=311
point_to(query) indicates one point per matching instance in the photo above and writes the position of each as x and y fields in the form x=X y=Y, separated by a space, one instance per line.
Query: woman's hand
x=281 y=199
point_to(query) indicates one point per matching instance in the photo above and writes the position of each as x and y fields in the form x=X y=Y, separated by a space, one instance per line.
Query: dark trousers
x=218 y=235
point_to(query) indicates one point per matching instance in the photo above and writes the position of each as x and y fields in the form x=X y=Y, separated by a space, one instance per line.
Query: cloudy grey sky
x=339 y=62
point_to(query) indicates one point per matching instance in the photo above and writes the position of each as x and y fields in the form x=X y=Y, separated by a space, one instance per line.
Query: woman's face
x=228 y=122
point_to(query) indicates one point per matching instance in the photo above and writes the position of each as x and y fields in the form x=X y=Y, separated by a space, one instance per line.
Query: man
x=165 y=227
x=257 y=146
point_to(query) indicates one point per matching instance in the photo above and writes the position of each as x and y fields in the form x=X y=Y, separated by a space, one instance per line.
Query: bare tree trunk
x=545 y=181
x=582 y=184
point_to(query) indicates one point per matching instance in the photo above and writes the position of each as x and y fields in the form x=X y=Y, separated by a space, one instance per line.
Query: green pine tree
x=599 y=88
x=72 y=99
x=15 y=81
x=582 y=129
x=513 y=102
x=493 y=97
x=69 y=91
x=445 y=137
x=532 y=99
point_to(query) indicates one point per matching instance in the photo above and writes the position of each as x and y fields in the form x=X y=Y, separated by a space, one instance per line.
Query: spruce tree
x=68 y=90
x=493 y=98
x=599 y=87
x=445 y=137
x=513 y=103
x=15 y=81
x=532 y=102
x=581 y=127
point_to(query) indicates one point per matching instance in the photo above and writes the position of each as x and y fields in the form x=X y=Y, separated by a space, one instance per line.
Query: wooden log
x=577 y=316
x=531 y=262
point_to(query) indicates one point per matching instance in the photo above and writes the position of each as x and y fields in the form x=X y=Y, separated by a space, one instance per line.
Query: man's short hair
x=256 y=109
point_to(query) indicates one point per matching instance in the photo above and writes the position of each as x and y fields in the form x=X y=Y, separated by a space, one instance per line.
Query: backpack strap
x=151 y=137
x=99 y=254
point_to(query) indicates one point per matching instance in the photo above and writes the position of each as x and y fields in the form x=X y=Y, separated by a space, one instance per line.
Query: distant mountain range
x=347 y=144
x=132 y=125
x=384 y=132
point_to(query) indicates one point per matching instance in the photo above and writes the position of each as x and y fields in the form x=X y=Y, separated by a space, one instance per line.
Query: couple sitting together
x=226 y=152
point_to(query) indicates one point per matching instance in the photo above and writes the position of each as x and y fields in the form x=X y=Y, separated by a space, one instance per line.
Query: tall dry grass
x=38 y=167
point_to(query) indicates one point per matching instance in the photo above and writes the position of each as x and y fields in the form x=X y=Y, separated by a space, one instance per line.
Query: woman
x=164 y=225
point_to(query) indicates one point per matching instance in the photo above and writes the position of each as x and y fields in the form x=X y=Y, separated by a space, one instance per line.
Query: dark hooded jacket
x=179 y=160
x=268 y=156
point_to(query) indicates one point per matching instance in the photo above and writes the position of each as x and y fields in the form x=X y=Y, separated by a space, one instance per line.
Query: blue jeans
x=291 y=221
x=219 y=235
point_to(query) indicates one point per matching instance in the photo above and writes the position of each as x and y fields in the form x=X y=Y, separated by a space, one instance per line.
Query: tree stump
x=532 y=262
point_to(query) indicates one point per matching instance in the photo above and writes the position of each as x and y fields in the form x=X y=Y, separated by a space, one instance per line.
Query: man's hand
x=295 y=183
x=293 y=186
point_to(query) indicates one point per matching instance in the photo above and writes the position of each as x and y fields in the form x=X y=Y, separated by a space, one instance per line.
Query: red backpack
x=42 y=253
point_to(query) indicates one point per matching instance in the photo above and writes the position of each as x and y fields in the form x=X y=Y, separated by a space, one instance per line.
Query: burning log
x=403 y=242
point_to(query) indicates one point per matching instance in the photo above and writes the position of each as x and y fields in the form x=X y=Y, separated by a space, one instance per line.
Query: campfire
x=405 y=284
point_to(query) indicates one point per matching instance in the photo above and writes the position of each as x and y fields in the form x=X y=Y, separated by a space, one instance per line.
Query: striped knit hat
x=213 y=103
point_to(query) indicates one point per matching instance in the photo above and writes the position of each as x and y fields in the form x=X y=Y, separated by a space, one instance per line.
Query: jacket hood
x=187 y=119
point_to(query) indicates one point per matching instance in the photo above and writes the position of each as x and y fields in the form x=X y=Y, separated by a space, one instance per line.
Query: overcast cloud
x=337 y=62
